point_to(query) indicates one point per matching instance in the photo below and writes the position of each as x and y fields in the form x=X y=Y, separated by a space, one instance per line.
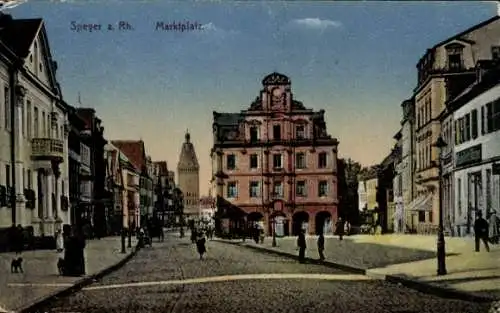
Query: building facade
x=188 y=173
x=33 y=133
x=476 y=119
x=444 y=71
x=135 y=167
x=126 y=186
x=276 y=162
x=163 y=192
x=207 y=208
x=80 y=175
x=93 y=184
x=147 y=189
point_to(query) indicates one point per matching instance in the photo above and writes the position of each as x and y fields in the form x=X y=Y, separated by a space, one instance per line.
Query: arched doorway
x=281 y=224
x=323 y=223
x=300 y=220
x=254 y=219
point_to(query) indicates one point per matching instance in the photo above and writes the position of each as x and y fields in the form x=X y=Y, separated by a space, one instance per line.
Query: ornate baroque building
x=188 y=173
x=276 y=162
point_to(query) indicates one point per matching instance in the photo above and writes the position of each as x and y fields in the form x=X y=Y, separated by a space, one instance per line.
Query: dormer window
x=300 y=132
x=254 y=133
x=455 y=56
x=31 y=58
x=495 y=52
x=41 y=67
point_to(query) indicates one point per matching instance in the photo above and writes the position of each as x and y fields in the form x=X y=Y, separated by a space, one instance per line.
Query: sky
x=355 y=60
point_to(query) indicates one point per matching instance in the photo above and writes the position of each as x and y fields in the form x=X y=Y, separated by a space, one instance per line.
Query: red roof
x=134 y=150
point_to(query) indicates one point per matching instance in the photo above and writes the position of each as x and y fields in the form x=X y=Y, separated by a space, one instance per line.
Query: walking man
x=301 y=244
x=481 y=231
x=321 y=246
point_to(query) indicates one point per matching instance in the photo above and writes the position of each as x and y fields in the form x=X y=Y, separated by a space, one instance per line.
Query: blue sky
x=356 y=60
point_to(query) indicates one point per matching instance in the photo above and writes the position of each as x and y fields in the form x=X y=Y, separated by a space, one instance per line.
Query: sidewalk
x=41 y=279
x=407 y=259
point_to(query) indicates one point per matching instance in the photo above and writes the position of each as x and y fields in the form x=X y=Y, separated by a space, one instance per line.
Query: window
x=35 y=123
x=254 y=133
x=467 y=127
x=23 y=126
x=254 y=161
x=496 y=115
x=457 y=132
x=455 y=59
x=278 y=189
x=488 y=190
x=44 y=125
x=300 y=160
x=7 y=175
x=322 y=160
x=276 y=132
x=489 y=117
x=49 y=125
x=495 y=52
x=301 y=188
x=421 y=216
x=28 y=119
x=231 y=162
x=232 y=190
x=254 y=189
x=300 y=132
x=459 y=188
x=7 y=108
x=322 y=188
x=474 y=124
x=277 y=161
x=482 y=121
x=29 y=183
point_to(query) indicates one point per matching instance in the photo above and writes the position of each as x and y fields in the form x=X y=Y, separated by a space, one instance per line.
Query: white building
x=477 y=150
x=362 y=196
x=33 y=115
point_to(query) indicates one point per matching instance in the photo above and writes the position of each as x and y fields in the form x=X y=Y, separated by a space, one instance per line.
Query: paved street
x=169 y=277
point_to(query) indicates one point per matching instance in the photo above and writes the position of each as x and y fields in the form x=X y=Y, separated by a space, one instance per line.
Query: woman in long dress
x=200 y=244
x=59 y=241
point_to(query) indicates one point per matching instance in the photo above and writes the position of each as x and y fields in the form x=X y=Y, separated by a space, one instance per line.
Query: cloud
x=317 y=23
x=10 y=4
x=211 y=28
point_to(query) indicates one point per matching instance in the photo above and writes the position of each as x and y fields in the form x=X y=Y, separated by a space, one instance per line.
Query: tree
x=348 y=171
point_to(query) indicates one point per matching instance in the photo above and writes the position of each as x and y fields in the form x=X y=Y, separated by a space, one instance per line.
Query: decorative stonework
x=67 y=128
x=20 y=94
x=276 y=79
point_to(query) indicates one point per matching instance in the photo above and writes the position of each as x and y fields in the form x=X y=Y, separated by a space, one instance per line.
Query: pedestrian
x=59 y=241
x=200 y=245
x=340 y=228
x=321 y=246
x=194 y=235
x=481 y=231
x=493 y=227
x=301 y=245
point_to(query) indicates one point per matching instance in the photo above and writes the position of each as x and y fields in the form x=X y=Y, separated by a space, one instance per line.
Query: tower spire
x=187 y=136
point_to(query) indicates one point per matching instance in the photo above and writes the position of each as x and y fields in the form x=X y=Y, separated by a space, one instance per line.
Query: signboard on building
x=469 y=156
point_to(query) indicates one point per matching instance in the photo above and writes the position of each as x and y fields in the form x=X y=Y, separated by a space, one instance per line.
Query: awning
x=421 y=204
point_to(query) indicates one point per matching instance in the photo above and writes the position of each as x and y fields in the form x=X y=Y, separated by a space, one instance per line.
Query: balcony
x=47 y=149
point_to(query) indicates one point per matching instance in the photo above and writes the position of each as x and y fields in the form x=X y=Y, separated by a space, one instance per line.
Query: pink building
x=276 y=162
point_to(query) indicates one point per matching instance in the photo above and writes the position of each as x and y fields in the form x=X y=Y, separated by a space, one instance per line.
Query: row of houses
x=456 y=100
x=56 y=167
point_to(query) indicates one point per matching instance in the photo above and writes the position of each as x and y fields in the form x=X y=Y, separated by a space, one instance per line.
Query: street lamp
x=441 y=256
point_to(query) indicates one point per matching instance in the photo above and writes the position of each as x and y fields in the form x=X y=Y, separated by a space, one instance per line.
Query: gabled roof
x=19 y=34
x=134 y=150
x=188 y=159
x=162 y=167
x=465 y=32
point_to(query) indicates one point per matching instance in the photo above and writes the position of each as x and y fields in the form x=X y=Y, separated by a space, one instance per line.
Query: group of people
x=486 y=230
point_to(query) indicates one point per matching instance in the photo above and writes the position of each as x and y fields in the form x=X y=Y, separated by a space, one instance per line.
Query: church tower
x=188 y=173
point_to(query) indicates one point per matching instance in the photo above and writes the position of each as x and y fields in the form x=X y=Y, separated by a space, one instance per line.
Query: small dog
x=16 y=265
x=60 y=266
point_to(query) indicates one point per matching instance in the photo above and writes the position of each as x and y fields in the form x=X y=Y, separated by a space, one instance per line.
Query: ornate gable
x=41 y=63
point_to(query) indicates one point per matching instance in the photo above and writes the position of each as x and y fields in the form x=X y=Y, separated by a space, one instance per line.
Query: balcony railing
x=47 y=149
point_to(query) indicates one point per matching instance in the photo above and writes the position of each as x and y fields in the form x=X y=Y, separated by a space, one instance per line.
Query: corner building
x=276 y=162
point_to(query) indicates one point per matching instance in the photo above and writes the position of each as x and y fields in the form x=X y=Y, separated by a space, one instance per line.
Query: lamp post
x=274 y=231
x=441 y=255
